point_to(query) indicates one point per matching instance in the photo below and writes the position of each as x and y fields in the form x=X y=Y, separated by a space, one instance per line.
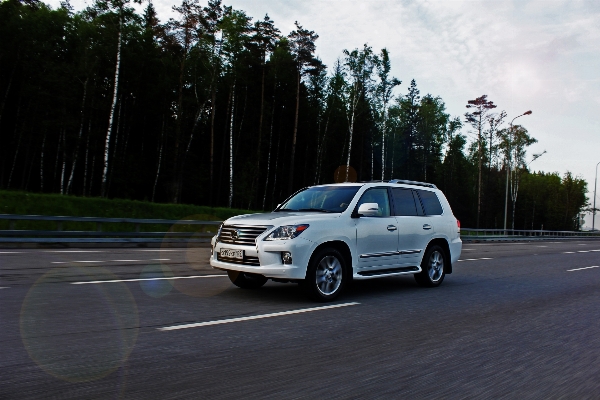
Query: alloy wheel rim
x=329 y=275
x=436 y=266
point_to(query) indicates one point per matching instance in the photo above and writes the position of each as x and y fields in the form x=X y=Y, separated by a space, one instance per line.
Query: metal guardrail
x=516 y=234
x=13 y=235
x=59 y=235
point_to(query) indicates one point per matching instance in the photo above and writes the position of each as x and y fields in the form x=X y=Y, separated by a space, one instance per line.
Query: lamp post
x=508 y=169
x=594 y=210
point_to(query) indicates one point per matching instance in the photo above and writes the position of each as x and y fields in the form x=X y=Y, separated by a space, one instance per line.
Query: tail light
x=458 y=225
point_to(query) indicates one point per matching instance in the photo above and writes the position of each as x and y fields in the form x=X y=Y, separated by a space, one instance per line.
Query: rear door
x=413 y=226
x=377 y=237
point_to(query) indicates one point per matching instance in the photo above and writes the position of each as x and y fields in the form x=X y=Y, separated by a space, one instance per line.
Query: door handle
x=426 y=226
x=391 y=228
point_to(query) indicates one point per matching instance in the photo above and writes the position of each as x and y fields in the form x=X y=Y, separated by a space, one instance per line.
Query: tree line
x=215 y=108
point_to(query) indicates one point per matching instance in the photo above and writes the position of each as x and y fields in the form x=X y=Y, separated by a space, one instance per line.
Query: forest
x=214 y=107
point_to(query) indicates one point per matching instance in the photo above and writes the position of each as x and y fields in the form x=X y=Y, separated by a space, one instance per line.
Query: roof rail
x=429 y=185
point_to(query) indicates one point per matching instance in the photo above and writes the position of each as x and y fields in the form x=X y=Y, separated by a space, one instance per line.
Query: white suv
x=324 y=236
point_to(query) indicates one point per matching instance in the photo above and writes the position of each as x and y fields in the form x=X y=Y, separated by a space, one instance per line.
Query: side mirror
x=369 y=210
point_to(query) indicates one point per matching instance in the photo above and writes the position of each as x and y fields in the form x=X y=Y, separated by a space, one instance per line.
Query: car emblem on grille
x=235 y=235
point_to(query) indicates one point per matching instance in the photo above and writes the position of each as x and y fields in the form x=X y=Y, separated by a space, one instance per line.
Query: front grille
x=239 y=234
x=248 y=260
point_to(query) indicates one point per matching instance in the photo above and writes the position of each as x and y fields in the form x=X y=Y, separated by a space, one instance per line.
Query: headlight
x=286 y=232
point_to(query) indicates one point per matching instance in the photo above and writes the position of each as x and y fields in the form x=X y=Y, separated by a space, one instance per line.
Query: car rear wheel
x=432 y=267
x=245 y=280
x=326 y=275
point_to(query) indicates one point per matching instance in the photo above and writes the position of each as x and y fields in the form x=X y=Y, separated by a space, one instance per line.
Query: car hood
x=281 y=218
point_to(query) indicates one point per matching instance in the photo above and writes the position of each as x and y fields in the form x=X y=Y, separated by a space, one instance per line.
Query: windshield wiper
x=315 y=209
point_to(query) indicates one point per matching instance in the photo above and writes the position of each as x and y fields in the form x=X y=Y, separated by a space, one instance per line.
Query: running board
x=389 y=271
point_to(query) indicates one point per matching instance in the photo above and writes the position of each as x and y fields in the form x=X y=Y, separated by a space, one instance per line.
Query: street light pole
x=508 y=169
x=594 y=210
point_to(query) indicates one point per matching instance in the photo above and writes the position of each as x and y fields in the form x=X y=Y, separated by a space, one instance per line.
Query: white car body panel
x=381 y=248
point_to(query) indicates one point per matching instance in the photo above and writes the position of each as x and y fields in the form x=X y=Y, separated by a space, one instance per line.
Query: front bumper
x=269 y=258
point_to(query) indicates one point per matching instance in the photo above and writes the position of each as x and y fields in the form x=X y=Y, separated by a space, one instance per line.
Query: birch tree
x=302 y=46
x=236 y=26
x=384 y=96
x=477 y=119
x=514 y=143
x=358 y=65
x=265 y=38
x=122 y=12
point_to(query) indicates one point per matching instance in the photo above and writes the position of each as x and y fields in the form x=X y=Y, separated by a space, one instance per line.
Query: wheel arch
x=443 y=243
x=344 y=250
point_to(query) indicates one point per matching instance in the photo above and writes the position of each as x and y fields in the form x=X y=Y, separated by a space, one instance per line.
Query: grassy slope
x=23 y=203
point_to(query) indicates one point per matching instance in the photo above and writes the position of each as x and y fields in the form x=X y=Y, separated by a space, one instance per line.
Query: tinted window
x=431 y=203
x=404 y=203
x=379 y=196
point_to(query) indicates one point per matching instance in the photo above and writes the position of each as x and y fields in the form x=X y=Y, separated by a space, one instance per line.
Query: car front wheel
x=432 y=267
x=325 y=276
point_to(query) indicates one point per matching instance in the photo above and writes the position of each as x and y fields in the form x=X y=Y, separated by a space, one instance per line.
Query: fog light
x=286 y=257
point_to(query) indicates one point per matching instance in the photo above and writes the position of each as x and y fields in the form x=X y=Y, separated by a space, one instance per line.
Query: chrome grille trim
x=248 y=260
x=246 y=235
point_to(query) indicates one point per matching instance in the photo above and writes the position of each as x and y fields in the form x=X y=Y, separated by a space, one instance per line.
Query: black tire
x=433 y=267
x=246 y=280
x=325 y=275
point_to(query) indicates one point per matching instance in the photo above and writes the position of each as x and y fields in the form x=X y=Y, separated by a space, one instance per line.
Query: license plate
x=235 y=254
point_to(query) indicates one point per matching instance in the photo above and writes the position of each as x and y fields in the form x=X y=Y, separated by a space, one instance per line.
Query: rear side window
x=431 y=203
x=404 y=202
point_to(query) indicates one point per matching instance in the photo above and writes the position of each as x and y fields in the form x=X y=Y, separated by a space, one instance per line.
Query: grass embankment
x=24 y=203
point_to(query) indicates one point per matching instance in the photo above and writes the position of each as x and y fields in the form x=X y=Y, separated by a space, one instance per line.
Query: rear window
x=431 y=203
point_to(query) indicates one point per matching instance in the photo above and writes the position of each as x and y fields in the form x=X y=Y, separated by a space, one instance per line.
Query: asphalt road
x=514 y=320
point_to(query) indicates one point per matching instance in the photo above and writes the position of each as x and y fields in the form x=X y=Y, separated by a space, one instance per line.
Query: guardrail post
x=137 y=228
x=98 y=226
x=11 y=224
x=59 y=226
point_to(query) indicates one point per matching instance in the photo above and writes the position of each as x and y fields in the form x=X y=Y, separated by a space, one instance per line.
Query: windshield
x=334 y=199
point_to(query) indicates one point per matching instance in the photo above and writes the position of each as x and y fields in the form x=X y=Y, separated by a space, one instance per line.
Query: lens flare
x=197 y=256
x=79 y=333
x=155 y=286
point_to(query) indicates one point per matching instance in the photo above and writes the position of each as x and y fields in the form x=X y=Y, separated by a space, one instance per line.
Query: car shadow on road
x=293 y=295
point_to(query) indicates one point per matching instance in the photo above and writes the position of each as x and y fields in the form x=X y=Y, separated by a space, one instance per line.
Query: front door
x=377 y=236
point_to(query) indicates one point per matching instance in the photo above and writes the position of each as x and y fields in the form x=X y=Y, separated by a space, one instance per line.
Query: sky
x=538 y=55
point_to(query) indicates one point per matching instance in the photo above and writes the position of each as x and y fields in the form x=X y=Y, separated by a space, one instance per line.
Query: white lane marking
x=569 y=252
x=583 y=251
x=74 y=251
x=159 y=250
x=594 y=250
x=230 y=320
x=4 y=287
x=11 y=252
x=579 y=269
x=581 y=244
x=541 y=246
x=105 y=261
x=469 y=249
x=486 y=258
x=149 y=279
x=68 y=262
x=476 y=259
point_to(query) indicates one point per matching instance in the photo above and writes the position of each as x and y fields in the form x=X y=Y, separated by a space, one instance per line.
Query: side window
x=379 y=196
x=404 y=203
x=431 y=203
